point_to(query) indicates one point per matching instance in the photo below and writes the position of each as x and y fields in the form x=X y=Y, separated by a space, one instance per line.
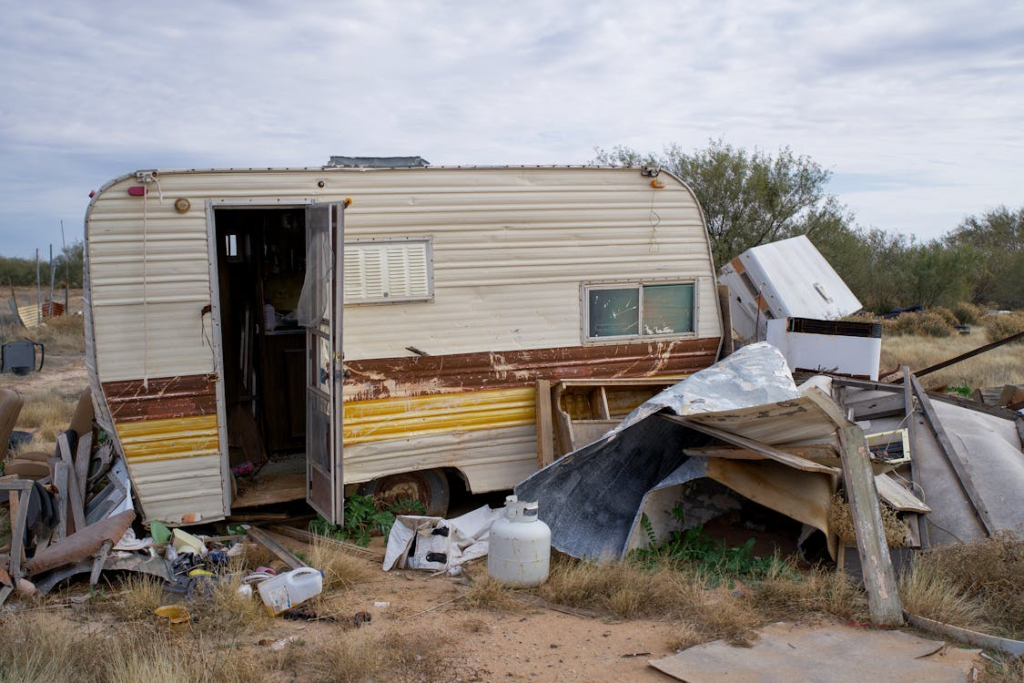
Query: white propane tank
x=519 y=552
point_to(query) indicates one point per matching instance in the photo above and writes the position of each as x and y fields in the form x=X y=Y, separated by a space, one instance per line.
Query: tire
x=429 y=487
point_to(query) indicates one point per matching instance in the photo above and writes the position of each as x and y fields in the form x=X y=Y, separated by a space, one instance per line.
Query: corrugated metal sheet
x=393 y=418
x=489 y=458
x=511 y=247
x=170 y=491
x=169 y=439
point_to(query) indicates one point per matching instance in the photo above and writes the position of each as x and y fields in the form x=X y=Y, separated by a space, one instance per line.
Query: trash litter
x=436 y=544
x=176 y=614
x=284 y=591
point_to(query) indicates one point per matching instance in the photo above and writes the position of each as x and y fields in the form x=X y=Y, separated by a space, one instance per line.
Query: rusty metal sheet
x=419 y=375
x=166 y=397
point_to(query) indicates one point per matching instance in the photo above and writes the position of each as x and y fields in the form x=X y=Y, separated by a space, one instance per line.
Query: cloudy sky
x=916 y=107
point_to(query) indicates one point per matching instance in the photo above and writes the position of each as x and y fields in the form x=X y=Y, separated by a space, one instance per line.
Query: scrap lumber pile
x=845 y=459
x=69 y=507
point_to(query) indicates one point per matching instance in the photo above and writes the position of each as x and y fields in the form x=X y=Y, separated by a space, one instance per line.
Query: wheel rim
x=409 y=485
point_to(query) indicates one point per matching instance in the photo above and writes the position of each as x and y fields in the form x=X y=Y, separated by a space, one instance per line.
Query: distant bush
x=945 y=314
x=968 y=313
x=928 y=324
x=1001 y=325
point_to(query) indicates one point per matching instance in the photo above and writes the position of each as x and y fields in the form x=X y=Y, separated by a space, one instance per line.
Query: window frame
x=427 y=241
x=587 y=287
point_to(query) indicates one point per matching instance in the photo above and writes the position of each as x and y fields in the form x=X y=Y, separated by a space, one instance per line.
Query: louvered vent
x=379 y=272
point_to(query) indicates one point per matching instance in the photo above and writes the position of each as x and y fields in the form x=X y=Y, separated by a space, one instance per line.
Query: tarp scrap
x=449 y=543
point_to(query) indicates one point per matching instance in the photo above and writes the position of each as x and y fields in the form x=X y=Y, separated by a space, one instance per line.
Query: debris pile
x=896 y=467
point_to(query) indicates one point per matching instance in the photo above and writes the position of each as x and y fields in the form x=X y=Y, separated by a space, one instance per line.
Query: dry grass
x=60 y=336
x=929 y=592
x=1003 y=669
x=340 y=569
x=141 y=595
x=1002 y=326
x=988 y=575
x=626 y=591
x=813 y=592
x=227 y=614
x=48 y=411
x=490 y=595
x=840 y=521
x=1004 y=365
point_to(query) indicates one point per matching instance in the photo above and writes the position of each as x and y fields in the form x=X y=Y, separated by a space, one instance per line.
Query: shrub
x=968 y=313
x=946 y=314
x=928 y=324
x=999 y=326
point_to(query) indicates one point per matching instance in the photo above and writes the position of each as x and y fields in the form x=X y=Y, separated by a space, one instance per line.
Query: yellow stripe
x=168 y=439
x=398 y=418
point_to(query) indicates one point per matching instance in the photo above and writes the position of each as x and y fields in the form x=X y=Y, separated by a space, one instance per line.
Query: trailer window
x=638 y=310
x=388 y=271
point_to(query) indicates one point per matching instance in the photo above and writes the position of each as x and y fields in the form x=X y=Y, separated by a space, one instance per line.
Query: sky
x=917 y=108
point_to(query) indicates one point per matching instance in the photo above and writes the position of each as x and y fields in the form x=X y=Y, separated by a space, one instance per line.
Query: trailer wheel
x=430 y=487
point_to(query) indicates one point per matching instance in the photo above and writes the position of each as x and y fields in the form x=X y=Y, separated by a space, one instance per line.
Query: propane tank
x=519 y=552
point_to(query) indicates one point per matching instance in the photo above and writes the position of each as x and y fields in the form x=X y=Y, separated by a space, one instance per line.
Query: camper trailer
x=375 y=329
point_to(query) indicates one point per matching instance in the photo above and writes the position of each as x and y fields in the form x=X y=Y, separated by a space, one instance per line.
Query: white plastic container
x=286 y=590
x=519 y=552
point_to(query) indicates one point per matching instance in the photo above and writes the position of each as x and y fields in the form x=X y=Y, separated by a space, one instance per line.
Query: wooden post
x=879 y=578
x=60 y=481
x=911 y=420
x=725 y=306
x=75 y=501
x=82 y=455
x=545 y=428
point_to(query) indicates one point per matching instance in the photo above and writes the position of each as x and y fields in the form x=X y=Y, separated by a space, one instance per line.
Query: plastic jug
x=286 y=590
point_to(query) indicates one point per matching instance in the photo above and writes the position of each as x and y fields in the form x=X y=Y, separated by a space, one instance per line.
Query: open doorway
x=260 y=268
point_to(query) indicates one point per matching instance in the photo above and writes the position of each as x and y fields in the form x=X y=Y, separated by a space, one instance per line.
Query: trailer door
x=320 y=311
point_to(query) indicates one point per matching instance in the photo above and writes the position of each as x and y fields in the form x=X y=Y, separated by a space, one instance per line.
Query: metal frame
x=586 y=287
x=215 y=314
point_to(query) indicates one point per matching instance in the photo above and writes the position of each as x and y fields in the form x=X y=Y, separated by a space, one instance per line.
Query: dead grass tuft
x=1003 y=669
x=928 y=592
x=1001 y=326
x=63 y=335
x=812 y=592
x=224 y=613
x=630 y=592
x=840 y=521
x=340 y=569
x=141 y=595
x=391 y=655
x=989 y=573
x=488 y=594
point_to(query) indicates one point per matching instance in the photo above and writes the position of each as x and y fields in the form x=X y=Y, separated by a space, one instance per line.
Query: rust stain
x=424 y=375
x=166 y=397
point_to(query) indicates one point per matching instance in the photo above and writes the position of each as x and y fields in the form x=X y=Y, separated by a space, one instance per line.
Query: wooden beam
x=60 y=481
x=749 y=444
x=910 y=410
x=862 y=383
x=311 y=538
x=75 y=501
x=725 y=307
x=946 y=446
x=545 y=426
x=879 y=578
x=82 y=454
x=891 y=405
x=23 y=487
x=288 y=557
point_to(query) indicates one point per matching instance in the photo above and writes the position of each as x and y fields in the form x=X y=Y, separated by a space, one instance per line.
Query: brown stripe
x=166 y=397
x=421 y=375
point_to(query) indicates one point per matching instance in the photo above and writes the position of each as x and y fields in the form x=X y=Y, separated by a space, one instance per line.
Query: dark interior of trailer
x=261 y=265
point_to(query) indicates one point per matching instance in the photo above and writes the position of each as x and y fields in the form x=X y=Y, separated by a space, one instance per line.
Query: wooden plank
x=285 y=555
x=910 y=420
x=545 y=426
x=310 y=538
x=82 y=454
x=75 y=501
x=898 y=497
x=946 y=446
x=725 y=308
x=994 y=411
x=97 y=564
x=60 y=477
x=879 y=577
x=890 y=405
x=862 y=383
x=749 y=444
x=18 y=534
